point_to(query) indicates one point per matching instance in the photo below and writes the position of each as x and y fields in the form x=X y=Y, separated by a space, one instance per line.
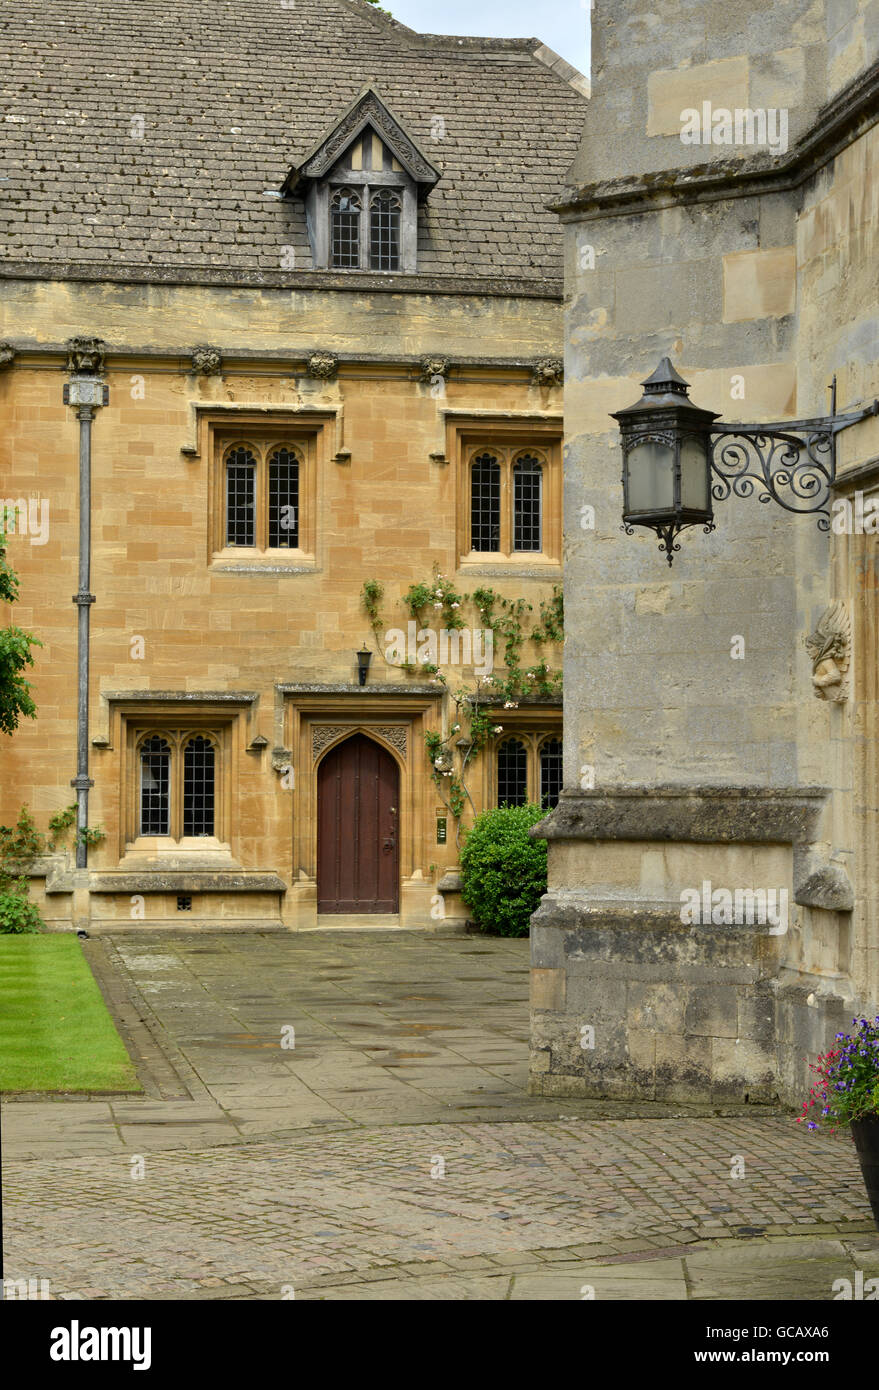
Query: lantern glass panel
x=694 y=473
x=651 y=472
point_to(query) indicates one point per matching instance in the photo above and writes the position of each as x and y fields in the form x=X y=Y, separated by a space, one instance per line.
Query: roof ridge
x=562 y=68
x=382 y=19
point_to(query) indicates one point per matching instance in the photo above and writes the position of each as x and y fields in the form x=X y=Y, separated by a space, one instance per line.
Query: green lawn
x=55 y=1031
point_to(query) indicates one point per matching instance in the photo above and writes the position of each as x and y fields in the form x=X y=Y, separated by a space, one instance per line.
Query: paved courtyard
x=344 y=1115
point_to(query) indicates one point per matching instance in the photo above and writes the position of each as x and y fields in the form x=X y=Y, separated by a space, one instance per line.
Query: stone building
x=721 y=716
x=282 y=316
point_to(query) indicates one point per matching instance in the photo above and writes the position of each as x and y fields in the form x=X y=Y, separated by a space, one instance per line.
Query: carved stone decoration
x=281 y=759
x=395 y=735
x=829 y=646
x=7 y=355
x=207 y=360
x=432 y=367
x=548 y=372
x=323 y=365
x=323 y=734
x=369 y=109
x=85 y=356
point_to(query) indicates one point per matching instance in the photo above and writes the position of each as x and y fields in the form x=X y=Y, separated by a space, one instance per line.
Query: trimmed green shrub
x=503 y=871
x=17 y=913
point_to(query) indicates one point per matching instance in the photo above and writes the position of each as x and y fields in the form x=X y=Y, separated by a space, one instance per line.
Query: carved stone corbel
x=207 y=360
x=550 y=371
x=433 y=367
x=7 y=355
x=85 y=356
x=829 y=646
x=323 y=365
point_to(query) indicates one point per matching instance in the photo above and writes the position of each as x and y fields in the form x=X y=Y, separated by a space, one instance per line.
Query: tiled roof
x=154 y=135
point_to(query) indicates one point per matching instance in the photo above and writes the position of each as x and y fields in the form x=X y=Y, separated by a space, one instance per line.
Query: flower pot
x=866 y=1136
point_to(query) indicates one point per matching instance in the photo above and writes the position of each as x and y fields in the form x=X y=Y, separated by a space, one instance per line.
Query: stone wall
x=755 y=273
x=175 y=621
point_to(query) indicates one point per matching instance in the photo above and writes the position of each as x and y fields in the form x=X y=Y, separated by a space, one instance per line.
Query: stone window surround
x=177 y=726
x=125 y=716
x=262 y=432
x=532 y=727
x=468 y=434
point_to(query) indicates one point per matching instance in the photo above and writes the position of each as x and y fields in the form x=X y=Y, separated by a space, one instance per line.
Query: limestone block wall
x=171 y=618
x=694 y=681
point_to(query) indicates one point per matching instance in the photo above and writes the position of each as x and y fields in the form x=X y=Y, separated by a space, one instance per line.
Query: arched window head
x=155 y=778
x=550 y=772
x=384 y=230
x=512 y=773
x=345 y=208
x=527 y=503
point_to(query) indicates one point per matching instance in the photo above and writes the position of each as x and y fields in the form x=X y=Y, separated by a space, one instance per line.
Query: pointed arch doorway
x=358 y=801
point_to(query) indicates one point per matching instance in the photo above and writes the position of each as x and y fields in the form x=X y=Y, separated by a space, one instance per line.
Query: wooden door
x=358 y=788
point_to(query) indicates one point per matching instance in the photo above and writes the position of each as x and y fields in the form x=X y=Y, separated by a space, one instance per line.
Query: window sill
x=161 y=853
x=519 y=565
x=246 y=560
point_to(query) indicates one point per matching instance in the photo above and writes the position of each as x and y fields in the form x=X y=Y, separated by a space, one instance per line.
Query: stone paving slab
x=394 y=1153
x=350 y=1203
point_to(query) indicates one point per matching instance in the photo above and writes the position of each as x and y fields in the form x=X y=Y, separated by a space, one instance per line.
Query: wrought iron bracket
x=790 y=462
x=668 y=534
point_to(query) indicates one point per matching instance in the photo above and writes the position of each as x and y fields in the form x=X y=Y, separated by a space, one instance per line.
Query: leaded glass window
x=384 y=231
x=550 y=772
x=198 y=787
x=155 y=778
x=485 y=503
x=283 y=500
x=512 y=773
x=240 y=496
x=345 y=229
x=527 y=503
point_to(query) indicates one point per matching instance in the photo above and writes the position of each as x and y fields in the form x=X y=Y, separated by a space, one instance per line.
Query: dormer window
x=363 y=185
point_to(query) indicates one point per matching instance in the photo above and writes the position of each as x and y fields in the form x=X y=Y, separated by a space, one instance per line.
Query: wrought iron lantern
x=677 y=460
x=364 y=657
x=666 y=459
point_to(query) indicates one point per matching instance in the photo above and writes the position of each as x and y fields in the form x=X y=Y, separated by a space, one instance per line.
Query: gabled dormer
x=362 y=185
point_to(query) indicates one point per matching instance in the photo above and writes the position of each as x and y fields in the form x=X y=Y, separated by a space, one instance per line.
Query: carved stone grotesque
x=432 y=367
x=548 y=372
x=85 y=356
x=7 y=355
x=829 y=646
x=323 y=365
x=207 y=360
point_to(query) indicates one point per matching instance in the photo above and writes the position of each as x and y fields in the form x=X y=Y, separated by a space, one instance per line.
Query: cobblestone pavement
x=351 y=1166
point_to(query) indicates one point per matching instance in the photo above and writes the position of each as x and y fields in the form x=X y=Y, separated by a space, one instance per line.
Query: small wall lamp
x=364 y=657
